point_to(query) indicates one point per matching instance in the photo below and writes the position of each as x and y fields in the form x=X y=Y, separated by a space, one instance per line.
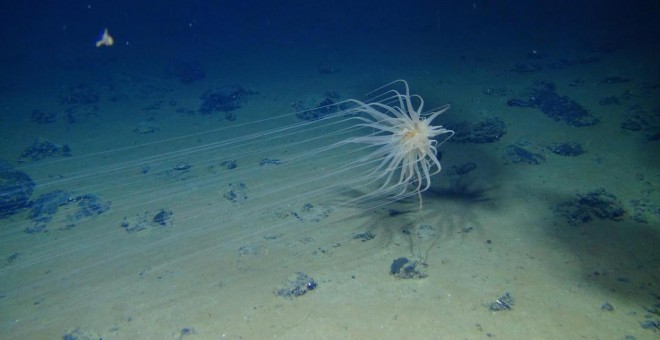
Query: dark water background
x=35 y=30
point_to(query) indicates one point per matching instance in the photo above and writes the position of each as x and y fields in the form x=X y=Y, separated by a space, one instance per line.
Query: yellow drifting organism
x=106 y=39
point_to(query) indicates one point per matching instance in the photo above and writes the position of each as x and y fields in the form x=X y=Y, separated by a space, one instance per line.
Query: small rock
x=607 y=307
x=403 y=268
x=505 y=302
x=298 y=286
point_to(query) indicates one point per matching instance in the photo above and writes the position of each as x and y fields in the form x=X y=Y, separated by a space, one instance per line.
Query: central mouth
x=409 y=134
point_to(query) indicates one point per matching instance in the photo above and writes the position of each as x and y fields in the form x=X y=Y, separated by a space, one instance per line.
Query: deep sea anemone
x=404 y=140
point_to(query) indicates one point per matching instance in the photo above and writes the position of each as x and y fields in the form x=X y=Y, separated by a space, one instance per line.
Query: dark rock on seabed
x=489 y=130
x=298 y=286
x=46 y=206
x=517 y=154
x=543 y=96
x=587 y=206
x=404 y=268
x=43 y=148
x=504 y=302
x=15 y=190
x=566 y=149
x=224 y=99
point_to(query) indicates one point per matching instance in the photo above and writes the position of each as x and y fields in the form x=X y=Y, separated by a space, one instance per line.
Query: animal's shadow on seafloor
x=461 y=189
x=448 y=209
